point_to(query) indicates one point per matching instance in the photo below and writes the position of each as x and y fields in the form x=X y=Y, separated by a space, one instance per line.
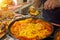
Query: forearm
x=37 y=3
x=58 y=3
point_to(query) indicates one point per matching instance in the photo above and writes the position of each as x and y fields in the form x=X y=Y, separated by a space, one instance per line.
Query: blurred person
x=51 y=11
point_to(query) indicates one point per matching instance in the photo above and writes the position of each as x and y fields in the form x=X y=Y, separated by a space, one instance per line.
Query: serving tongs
x=39 y=15
x=40 y=12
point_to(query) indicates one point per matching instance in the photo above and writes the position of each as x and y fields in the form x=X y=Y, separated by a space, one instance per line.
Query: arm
x=37 y=3
x=58 y=3
x=51 y=4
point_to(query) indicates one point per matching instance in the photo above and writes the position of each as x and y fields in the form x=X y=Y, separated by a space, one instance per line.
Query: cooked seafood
x=1 y=27
x=5 y=3
x=0 y=14
x=30 y=29
x=6 y=15
x=2 y=30
x=2 y=34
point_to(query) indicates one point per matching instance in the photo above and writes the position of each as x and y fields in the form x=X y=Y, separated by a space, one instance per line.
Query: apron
x=52 y=15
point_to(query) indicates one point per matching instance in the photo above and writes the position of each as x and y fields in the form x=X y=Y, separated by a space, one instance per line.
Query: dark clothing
x=52 y=15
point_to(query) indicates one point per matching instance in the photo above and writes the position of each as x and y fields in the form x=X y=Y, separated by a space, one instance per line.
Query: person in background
x=51 y=11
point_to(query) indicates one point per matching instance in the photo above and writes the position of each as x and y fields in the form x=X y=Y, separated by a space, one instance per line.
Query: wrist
x=58 y=3
x=35 y=6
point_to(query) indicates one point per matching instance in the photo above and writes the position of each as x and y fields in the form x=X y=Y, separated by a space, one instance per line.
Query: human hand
x=50 y=4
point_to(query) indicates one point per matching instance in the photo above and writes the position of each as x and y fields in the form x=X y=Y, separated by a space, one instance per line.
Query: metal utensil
x=10 y=25
x=39 y=15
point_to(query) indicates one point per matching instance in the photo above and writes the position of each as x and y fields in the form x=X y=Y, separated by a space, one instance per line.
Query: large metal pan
x=9 y=32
